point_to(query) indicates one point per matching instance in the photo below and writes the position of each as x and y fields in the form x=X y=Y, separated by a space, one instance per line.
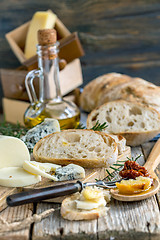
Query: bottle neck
x=48 y=63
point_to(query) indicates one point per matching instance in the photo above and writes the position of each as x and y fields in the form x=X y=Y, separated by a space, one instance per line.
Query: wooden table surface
x=124 y=220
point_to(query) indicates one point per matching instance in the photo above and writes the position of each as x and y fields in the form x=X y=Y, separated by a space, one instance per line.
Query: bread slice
x=136 y=122
x=95 y=207
x=86 y=148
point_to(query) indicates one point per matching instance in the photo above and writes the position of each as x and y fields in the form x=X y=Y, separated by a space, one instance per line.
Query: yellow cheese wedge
x=13 y=152
x=17 y=177
x=40 y=20
x=40 y=169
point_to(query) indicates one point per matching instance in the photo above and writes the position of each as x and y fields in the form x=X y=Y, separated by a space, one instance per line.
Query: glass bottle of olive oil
x=47 y=105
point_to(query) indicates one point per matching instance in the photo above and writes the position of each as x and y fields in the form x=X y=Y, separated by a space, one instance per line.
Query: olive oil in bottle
x=47 y=105
x=34 y=115
x=65 y=123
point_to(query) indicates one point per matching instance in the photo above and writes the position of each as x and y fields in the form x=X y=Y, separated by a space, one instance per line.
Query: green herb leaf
x=116 y=169
x=108 y=178
x=99 y=126
x=118 y=164
x=81 y=126
x=109 y=173
x=134 y=159
x=14 y=130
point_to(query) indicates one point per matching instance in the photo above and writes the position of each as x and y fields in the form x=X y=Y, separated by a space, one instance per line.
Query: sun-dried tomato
x=132 y=170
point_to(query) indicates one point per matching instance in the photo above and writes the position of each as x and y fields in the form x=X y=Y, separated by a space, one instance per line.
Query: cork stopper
x=47 y=36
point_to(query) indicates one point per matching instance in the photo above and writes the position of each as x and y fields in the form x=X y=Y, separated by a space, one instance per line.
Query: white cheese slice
x=70 y=172
x=46 y=167
x=88 y=205
x=13 y=152
x=40 y=169
x=17 y=177
x=35 y=134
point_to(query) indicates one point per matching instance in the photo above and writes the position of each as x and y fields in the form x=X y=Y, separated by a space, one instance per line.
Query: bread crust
x=113 y=86
x=87 y=163
x=132 y=138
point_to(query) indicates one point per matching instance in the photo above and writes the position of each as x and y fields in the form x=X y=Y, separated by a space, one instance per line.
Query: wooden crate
x=70 y=46
x=17 y=37
x=13 y=81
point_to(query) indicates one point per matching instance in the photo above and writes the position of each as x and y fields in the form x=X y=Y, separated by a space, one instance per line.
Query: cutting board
x=91 y=175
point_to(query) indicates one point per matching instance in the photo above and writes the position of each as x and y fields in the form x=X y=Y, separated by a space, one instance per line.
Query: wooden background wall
x=117 y=35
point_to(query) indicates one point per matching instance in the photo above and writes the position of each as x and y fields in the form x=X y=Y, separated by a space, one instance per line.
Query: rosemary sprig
x=134 y=159
x=14 y=130
x=81 y=126
x=120 y=165
x=109 y=173
x=99 y=126
x=116 y=169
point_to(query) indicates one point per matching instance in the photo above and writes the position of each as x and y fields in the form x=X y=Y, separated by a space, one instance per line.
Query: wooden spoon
x=151 y=164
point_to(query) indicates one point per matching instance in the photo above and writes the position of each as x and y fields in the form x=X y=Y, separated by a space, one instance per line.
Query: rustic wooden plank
x=128 y=220
x=4 y=192
x=134 y=220
x=13 y=215
x=147 y=147
x=130 y=26
x=146 y=70
x=48 y=226
x=55 y=227
x=137 y=151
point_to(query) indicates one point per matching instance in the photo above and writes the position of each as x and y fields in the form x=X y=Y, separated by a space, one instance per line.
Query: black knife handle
x=40 y=194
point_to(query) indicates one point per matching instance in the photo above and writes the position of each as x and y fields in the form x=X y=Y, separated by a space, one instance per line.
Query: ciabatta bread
x=86 y=148
x=87 y=205
x=70 y=212
x=136 y=122
x=114 y=86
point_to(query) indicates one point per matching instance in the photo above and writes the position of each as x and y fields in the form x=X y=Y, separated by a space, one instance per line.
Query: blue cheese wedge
x=45 y=128
x=70 y=172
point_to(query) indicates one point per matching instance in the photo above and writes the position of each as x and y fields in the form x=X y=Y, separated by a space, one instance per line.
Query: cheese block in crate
x=70 y=46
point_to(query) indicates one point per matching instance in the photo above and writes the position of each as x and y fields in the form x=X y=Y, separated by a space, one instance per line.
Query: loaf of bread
x=114 y=86
x=86 y=148
x=134 y=121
